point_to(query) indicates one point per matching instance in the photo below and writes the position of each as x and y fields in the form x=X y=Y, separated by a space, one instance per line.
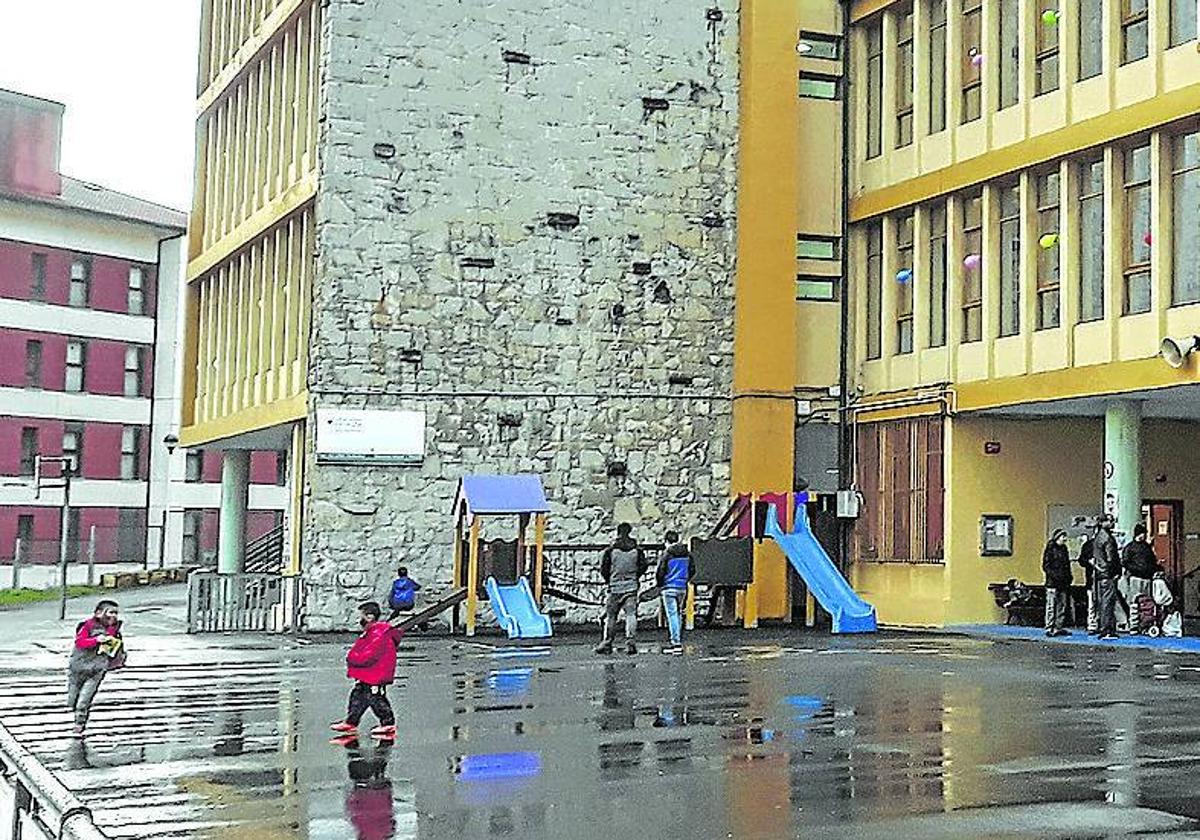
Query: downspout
x=845 y=418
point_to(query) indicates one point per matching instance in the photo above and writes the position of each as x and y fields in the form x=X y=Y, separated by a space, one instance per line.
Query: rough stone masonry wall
x=526 y=229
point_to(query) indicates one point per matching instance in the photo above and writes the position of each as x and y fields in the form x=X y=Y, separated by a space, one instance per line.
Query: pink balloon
x=972 y=261
x=977 y=60
x=1148 y=239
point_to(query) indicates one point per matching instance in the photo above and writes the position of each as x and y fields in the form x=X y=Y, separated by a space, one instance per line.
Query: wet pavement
x=773 y=734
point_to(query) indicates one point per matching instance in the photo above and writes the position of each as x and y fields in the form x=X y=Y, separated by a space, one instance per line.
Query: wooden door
x=1164 y=519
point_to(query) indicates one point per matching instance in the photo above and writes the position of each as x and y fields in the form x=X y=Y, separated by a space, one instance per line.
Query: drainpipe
x=845 y=418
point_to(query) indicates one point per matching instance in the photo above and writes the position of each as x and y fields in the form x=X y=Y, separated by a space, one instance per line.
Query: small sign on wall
x=996 y=535
x=370 y=436
x=991 y=447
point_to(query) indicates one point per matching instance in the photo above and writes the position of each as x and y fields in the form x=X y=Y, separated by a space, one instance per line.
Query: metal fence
x=34 y=804
x=227 y=603
x=101 y=543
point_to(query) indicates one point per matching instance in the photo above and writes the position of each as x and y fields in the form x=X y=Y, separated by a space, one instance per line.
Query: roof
x=496 y=494
x=93 y=198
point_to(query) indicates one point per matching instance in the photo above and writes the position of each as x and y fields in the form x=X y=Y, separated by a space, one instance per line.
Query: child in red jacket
x=371 y=663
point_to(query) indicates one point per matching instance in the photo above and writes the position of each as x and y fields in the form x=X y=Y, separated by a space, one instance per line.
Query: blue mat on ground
x=1077 y=637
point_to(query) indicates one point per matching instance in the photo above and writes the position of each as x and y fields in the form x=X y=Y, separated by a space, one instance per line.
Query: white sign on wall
x=370 y=436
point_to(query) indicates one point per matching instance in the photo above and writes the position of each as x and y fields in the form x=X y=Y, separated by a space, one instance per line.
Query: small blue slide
x=516 y=610
x=851 y=614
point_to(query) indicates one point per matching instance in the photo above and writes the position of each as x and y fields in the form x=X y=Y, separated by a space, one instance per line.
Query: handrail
x=735 y=509
x=69 y=818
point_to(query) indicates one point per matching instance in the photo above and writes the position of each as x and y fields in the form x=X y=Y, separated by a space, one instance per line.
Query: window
x=133 y=371
x=874 y=290
x=193 y=521
x=972 y=268
x=874 y=88
x=193 y=469
x=818 y=248
x=1183 y=21
x=1137 y=230
x=820 y=45
x=1091 y=240
x=25 y=535
x=1135 y=30
x=72 y=446
x=1091 y=38
x=1185 y=196
x=898 y=468
x=1010 y=260
x=904 y=284
x=131 y=452
x=137 y=297
x=1010 y=53
x=81 y=281
x=815 y=287
x=37 y=276
x=904 y=77
x=1048 y=299
x=281 y=469
x=131 y=534
x=76 y=362
x=33 y=364
x=29 y=450
x=1045 y=61
x=937 y=66
x=820 y=86
x=937 y=276
x=972 y=59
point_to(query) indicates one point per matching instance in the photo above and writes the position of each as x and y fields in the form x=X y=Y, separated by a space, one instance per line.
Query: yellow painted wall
x=903 y=595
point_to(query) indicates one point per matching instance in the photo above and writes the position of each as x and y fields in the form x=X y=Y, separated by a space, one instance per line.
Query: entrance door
x=1164 y=519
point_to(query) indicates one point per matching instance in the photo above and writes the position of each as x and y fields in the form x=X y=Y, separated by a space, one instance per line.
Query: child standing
x=98 y=649
x=675 y=571
x=371 y=663
x=403 y=596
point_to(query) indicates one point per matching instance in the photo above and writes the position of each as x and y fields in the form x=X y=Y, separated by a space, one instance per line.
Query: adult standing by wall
x=1056 y=563
x=1089 y=576
x=622 y=566
x=1140 y=565
x=1108 y=571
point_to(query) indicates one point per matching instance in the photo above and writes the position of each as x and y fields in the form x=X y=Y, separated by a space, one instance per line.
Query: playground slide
x=516 y=610
x=851 y=614
x=426 y=613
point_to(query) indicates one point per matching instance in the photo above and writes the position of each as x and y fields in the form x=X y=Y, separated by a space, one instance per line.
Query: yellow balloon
x=1048 y=240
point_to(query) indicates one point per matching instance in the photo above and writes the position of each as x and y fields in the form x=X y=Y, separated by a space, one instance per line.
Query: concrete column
x=1122 y=465
x=235 y=495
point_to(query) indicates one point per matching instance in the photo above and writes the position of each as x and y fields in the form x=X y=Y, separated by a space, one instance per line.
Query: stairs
x=265 y=554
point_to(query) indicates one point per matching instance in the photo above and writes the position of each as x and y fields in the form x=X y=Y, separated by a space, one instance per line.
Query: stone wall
x=525 y=229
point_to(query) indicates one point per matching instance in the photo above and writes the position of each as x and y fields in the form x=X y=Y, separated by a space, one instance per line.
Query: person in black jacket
x=1108 y=570
x=1089 y=577
x=1056 y=563
x=1140 y=566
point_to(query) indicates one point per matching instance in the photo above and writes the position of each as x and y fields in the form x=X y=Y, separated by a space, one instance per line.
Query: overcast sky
x=126 y=70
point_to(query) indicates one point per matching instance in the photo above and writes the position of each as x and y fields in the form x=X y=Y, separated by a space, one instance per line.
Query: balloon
x=977 y=60
x=972 y=261
x=1050 y=17
x=1148 y=239
x=1048 y=241
x=904 y=275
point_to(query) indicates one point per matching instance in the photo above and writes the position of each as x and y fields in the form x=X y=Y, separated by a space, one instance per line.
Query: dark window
x=33 y=364
x=193 y=523
x=972 y=59
x=1185 y=199
x=820 y=45
x=29 y=450
x=1045 y=68
x=820 y=86
x=874 y=88
x=72 y=446
x=1091 y=38
x=81 y=282
x=1010 y=53
x=76 y=366
x=1135 y=30
x=904 y=76
x=904 y=284
x=194 y=465
x=874 y=290
x=816 y=287
x=131 y=453
x=937 y=66
x=1138 y=239
x=25 y=535
x=281 y=469
x=37 y=280
x=134 y=360
x=1010 y=260
x=1048 y=298
x=937 y=276
x=972 y=268
x=1091 y=240
x=1183 y=21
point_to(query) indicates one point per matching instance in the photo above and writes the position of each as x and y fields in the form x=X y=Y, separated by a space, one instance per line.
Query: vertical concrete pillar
x=1122 y=465
x=235 y=496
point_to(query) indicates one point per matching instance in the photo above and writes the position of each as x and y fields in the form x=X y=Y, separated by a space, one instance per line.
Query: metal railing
x=220 y=603
x=41 y=806
x=265 y=554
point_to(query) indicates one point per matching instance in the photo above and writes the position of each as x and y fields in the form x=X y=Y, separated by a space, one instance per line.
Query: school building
x=924 y=253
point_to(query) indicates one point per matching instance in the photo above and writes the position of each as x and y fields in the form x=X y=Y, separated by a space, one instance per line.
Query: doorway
x=1164 y=521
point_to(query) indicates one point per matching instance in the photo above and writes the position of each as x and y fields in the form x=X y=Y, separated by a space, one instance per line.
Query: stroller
x=1157 y=614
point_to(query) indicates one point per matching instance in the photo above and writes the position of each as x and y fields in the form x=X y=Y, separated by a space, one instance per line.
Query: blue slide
x=851 y=614
x=516 y=610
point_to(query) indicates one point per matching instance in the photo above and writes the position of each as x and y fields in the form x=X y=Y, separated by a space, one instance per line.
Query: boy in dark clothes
x=403 y=596
x=371 y=663
x=675 y=571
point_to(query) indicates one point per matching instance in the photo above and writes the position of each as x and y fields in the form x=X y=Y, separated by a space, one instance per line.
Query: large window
x=874 y=88
x=1048 y=297
x=900 y=474
x=1091 y=240
x=72 y=446
x=1045 y=62
x=1010 y=53
x=81 y=282
x=1135 y=30
x=937 y=66
x=972 y=59
x=137 y=293
x=904 y=76
x=131 y=452
x=937 y=276
x=1185 y=196
x=1138 y=237
x=1010 y=260
x=194 y=465
x=874 y=290
x=904 y=284
x=37 y=276
x=1091 y=38
x=133 y=371
x=29 y=450
x=972 y=268
x=1183 y=21
x=33 y=364
x=76 y=363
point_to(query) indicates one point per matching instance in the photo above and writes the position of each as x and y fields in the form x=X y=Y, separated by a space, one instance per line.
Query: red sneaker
x=342 y=726
x=386 y=733
x=345 y=740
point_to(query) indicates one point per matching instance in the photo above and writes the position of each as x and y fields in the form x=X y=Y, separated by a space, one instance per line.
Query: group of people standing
x=1115 y=577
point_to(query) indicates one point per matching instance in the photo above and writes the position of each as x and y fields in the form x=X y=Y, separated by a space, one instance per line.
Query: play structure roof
x=497 y=494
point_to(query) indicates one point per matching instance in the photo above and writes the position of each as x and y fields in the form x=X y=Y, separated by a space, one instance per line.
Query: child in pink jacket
x=371 y=663
x=98 y=649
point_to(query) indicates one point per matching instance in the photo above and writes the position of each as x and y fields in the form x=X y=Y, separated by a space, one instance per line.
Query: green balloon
x=1050 y=17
